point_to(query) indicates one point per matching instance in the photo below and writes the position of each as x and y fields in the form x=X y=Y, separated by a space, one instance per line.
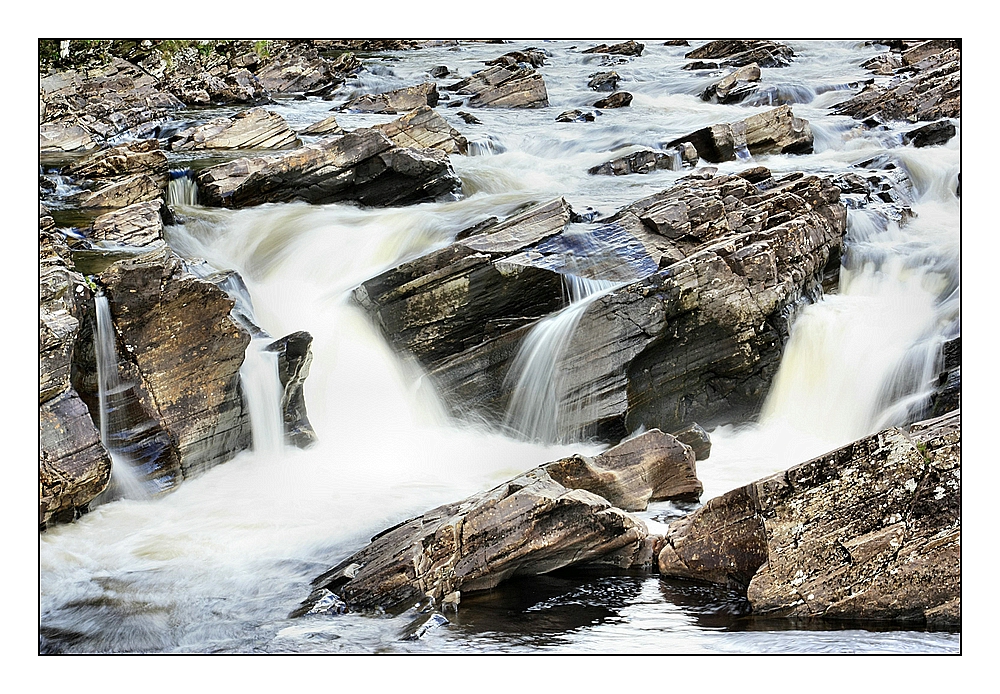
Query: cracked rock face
x=255 y=128
x=548 y=518
x=869 y=531
x=777 y=131
x=737 y=53
x=504 y=86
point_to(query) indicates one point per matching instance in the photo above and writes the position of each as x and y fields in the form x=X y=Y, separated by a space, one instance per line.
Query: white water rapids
x=219 y=563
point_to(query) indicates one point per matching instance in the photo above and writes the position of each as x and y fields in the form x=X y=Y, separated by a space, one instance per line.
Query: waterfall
x=536 y=410
x=262 y=390
x=126 y=480
x=182 y=190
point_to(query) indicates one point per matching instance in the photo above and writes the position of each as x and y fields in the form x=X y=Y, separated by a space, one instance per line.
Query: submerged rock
x=530 y=56
x=737 y=53
x=533 y=524
x=777 y=131
x=504 y=87
x=938 y=133
x=363 y=165
x=626 y=48
x=869 y=531
x=255 y=128
x=575 y=116
x=616 y=100
x=604 y=81
x=395 y=101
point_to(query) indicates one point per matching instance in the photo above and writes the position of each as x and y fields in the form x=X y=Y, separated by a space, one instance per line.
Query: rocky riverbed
x=365 y=346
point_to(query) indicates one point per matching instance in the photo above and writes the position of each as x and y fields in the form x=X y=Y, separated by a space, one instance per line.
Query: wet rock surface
x=646 y=161
x=777 y=131
x=327 y=126
x=616 y=100
x=140 y=224
x=533 y=524
x=396 y=101
x=734 y=87
x=294 y=358
x=604 y=81
x=632 y=48
x=869 y=531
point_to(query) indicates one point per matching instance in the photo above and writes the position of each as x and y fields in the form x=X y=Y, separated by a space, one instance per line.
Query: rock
x=424 y=128
x=65 y=136
x=236 y=86
x=735 y=86
x=395 y=101
x=530 y=525
x=948 y=391
x=929 y=135
x=604 y=81
x=125 y=192
x=254 y=128
x=711 y=269
x=777 y=131
x=575 y=116
x=469 y=118
x=701 y=65
x=677 y=42
x=697 y=438
x=929 y=89
x=294 y=358
x=191 y=370
x=646 y=161
x=531 y=56
x=439 y=71
x=142 y=157
x=363 y=165
x=737 y=53
x=870 y=531
x=304 y=71
x=73 y=467
x=327 y=126
x=616 y=100
x=883 y=63
x=626 y=48
x=504 y=87
x=140 y=224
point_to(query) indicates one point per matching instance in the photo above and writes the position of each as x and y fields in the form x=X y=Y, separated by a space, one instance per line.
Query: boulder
x=236 y=85
x=254 y=128
x=469 y=118
x=870 y=531
x=616 y=100
x=948 y=391
x=363 y=165
x=938 y=133
x=710 y=270
x=294 y=357
x=697 y=438
x=503 y=86
x=140 y=224
x=395 y=101
x=530 y=56
x=575 y=116
x=439 y=71
x=123 y=192
x=424 y=128
x=626 y=48
x=677 y=42
x=647 y=160
x=737 y=53
x=178 y=332
x=73 y=467
x=777 y=131
x=303 y=70
x=928 y=89
x=327 y=126
x=734 y=87
x=530 y=525
x=133 y=158
x=604 y=81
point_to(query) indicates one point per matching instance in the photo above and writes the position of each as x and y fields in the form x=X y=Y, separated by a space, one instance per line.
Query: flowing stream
x=218 y=564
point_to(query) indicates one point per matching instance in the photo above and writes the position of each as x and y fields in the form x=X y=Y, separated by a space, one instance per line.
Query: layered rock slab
x=254 y=128
x=737 y=53
x=869 y=531
x=533 y=524
x=504 y=86
x=364 y=165
x=777 y=131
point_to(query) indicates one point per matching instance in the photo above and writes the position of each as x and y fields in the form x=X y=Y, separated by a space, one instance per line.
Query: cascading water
x=218 y=565
x=262 y=389
x=182 y=189
x=126 y=481
x=535 y=410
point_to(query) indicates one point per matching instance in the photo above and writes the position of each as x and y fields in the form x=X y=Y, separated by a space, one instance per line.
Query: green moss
x=262 y=49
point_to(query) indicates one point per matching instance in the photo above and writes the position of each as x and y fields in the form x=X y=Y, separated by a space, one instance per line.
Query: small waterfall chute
x=262 y=391
x=182 y=189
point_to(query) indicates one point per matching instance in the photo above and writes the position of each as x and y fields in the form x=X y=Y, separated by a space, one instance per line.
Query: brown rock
x=735 y=86
x=531 y=56
x=869 y=531
x=646 y=161
x=504 y=87
x=777 y=131
x=255 y=128
x=125 y=192
x=142 y=157
x=736 y=53
x=327 y=126
x=616 y=100
x=140 y=224
x=294 y=358
x=626 y=48
x=395 y=101
x=604 y=81
x=424 y=128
